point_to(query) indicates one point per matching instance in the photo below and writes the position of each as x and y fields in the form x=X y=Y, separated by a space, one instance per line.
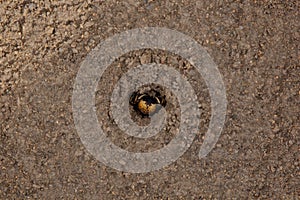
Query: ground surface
x=255 y=45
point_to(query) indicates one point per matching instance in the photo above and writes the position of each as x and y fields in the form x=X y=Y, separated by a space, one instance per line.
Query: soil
x=255 y=45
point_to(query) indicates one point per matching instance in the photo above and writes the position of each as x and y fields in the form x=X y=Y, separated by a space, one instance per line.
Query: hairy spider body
x=147 y=103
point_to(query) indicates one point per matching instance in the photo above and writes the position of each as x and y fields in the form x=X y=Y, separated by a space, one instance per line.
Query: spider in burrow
x=147 y=103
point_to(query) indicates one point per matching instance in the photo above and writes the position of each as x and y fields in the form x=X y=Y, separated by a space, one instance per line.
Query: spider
x=147 y=103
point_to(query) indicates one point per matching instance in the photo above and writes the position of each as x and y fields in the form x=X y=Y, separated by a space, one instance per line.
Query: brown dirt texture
x=255 y=45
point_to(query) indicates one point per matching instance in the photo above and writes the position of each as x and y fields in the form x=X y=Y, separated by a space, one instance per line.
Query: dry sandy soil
x=256 y=47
